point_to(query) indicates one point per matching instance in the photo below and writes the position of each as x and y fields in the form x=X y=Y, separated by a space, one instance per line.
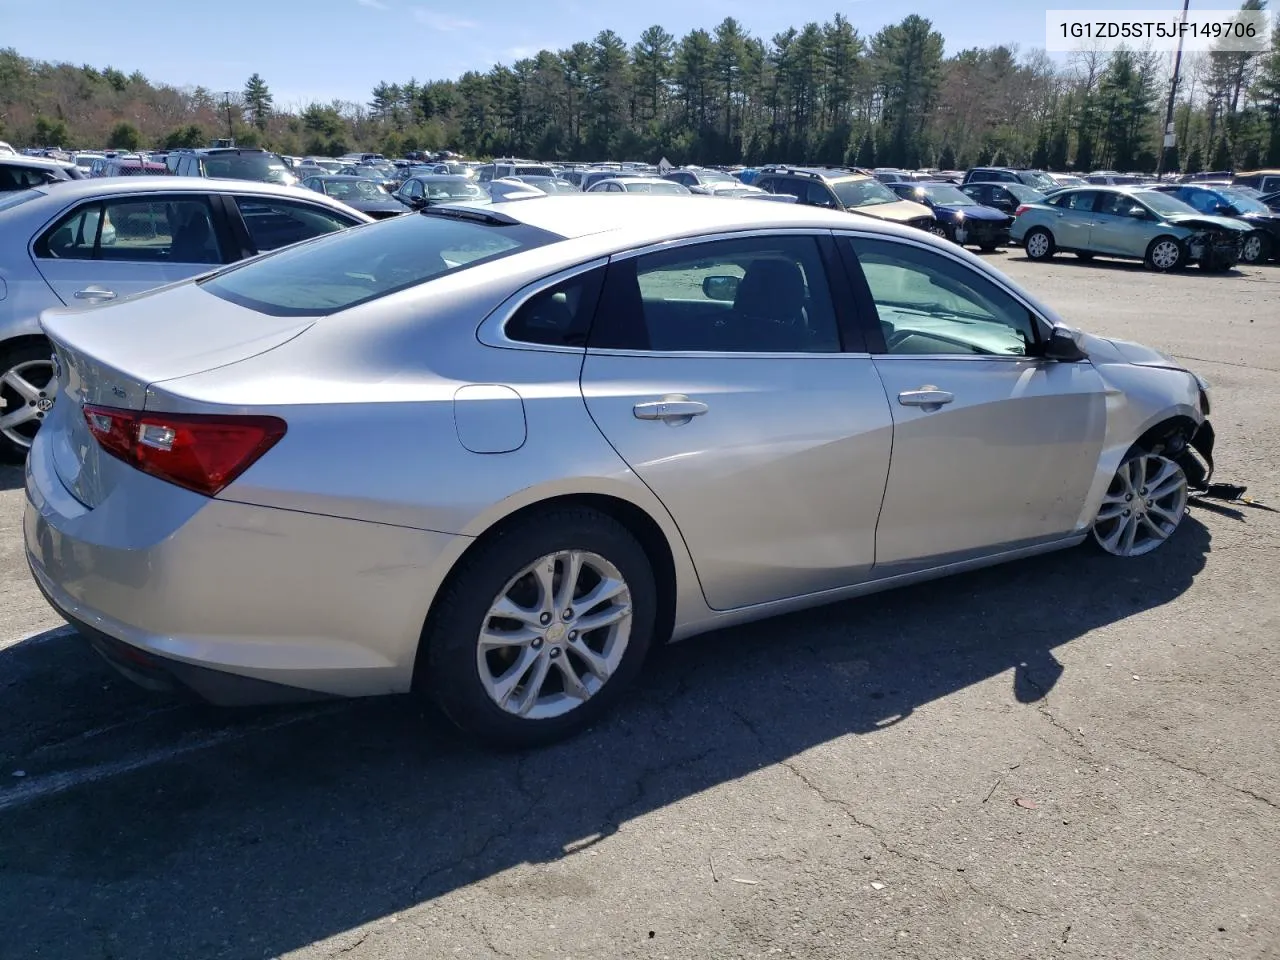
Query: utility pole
x=227 y=103
x=1169 y=139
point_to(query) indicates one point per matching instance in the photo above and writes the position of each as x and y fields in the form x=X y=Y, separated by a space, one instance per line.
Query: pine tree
x=257 y=102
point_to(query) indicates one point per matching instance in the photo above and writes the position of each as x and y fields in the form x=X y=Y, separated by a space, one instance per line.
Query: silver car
x=154 y=231
x=495 y=453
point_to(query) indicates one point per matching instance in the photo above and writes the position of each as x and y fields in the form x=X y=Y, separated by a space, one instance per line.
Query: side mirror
x=1137 y=212
x=720 y=288
x=1225 y=210
x=1064 y=344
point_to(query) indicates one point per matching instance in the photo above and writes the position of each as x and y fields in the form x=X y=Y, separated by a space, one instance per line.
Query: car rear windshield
x=243 y=166
x=354 y=266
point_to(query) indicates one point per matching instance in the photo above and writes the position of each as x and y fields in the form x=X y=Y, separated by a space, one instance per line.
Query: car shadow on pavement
x=11 y=477
x=1127 y=266
x=148 y=828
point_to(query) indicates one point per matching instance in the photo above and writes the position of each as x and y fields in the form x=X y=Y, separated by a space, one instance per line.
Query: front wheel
x=1039 y=244
x=28 y=389
x=940 y=230
x=1164 y=254
x=1254 y=250
x=541 y=630
x=1143 y=506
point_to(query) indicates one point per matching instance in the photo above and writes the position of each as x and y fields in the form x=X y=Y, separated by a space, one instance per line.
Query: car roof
x=71 y=191
x=446 y=177
x=18 y=160
x=652 y=218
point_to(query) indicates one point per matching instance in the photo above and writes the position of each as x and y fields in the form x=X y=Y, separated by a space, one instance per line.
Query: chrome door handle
x=925 y=397
x=673 y=409
x=94 y=293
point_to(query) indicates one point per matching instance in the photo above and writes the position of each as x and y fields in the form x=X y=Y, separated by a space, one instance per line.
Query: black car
x=1036 y=179
x=1257 y=247
x=961 y=219
x=1272 y=200
x=367 y=196
x=22 y=173
x=1005 y=197
x=431 y=189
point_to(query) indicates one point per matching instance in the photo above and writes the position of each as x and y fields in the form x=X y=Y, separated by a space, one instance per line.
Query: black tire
x=1029 y=244
x=31 y=352
x=1158 y=249
x=446 y=666
x=1084 y=256
x=943 y=232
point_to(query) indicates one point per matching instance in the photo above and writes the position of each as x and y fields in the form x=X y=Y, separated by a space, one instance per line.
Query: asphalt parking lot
x=1072 y=756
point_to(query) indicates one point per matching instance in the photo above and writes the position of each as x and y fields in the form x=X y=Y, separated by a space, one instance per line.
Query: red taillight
x=201 y=452
x=1022 y=208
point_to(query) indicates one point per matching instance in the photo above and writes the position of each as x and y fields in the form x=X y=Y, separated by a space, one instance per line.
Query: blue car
x=959 y=217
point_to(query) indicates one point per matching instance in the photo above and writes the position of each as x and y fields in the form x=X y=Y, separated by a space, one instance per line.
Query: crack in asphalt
x=1187 y=768
x=352 y=946
x=1225 y=363
x=877 y=834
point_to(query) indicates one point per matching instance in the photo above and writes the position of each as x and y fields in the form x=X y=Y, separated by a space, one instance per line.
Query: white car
x=639 y=185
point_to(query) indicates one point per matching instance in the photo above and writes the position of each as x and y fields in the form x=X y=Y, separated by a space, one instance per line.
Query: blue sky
x=326 y=49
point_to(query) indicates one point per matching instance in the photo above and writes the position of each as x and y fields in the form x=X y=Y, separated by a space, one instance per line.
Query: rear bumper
x=232 y=600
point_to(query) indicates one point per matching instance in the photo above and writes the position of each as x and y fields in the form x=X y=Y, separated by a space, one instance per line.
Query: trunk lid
x=111 y=354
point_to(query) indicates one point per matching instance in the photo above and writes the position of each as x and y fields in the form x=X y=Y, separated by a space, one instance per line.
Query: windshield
x=714 y=176
x=863 y=193
x=333 y=166
x=947 y=194
x=1034 y=178
x=1163 y=204
x=355 y=190
x=1023 y=193
x=452 y=190
x=661 y=186
x=1242 y=201
x=549 y=184
x=351 y=267
x=242 y=166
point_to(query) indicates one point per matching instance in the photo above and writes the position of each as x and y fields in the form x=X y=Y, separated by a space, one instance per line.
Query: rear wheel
x=1165 y=254
x=28 y=389
x=1039 y=244
x=541 y=630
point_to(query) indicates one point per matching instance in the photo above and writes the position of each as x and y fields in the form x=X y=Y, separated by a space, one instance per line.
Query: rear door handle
x=673 y=409
x=95 y=293
x=925 y=397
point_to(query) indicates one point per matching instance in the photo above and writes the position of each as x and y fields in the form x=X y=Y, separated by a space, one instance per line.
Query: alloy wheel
x=1143 y=506
x=554 y=635
x=1037 y=245
x=938 y=230
x=1166 y=254
x=28 y=389
x=1251 y=251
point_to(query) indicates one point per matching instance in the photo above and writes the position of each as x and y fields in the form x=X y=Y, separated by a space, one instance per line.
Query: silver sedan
x=86 y=242
x=494 y=454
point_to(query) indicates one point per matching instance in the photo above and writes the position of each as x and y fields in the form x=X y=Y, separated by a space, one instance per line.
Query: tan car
x=838 y=189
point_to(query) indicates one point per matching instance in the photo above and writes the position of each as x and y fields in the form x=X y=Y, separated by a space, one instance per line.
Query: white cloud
x=442 y=22
x=372 y=4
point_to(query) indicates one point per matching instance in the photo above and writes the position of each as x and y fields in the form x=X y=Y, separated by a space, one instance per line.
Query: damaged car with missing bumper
x=1136 y=223
x=588 y=425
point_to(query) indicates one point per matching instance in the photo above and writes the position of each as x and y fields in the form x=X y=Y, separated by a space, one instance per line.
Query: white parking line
x=35 y=787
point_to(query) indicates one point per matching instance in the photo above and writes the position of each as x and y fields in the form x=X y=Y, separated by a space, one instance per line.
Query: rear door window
x=155 y=230
x=274 y=223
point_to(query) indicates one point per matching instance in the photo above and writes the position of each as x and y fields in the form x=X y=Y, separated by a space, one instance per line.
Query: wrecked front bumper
x=1214 y=251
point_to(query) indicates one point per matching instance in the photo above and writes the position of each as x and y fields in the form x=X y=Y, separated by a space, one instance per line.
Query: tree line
x=823 y=93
